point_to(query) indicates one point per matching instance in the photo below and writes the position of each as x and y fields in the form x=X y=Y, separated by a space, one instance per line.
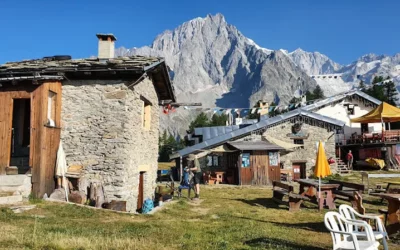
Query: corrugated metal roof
x=339 y=97
x=247 y=130
x=254 y=145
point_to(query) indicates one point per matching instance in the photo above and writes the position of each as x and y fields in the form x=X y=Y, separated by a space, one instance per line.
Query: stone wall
x=309 y=151
x=102 y=131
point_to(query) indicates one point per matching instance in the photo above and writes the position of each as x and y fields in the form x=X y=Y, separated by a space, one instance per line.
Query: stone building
x=104 y=110
x=296 y=131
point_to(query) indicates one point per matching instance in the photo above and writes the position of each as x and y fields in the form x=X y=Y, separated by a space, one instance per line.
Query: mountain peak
x=298 y=50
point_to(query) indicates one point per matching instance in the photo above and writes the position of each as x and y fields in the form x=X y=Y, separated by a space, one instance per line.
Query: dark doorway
x=299 y=170
x=140 y=193
x=20 y=138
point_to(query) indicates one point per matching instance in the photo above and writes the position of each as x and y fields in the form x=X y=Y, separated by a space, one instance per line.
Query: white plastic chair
x=343 y=239
x=350 y=214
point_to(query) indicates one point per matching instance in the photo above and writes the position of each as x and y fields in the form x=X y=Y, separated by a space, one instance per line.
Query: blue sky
x=343 y=30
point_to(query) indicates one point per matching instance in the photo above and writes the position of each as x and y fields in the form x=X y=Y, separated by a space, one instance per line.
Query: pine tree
x=255 y=115
x=309 y=96
x=377 y=90
x=391 y=93
x=318 y=93
x=200 y=121
x=218 y=120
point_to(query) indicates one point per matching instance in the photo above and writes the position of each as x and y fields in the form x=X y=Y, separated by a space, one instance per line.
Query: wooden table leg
x=393 y=219
x=329 y=199
x=301 y=188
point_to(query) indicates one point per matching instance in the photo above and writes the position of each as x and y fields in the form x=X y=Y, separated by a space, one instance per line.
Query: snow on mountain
x=314 y=63
x=215 y=64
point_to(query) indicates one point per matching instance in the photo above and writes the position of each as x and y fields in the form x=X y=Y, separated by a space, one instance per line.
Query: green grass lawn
x=226 y=218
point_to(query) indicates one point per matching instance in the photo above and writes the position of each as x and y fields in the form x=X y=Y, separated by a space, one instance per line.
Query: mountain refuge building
x=286 y=141
x=104 y=110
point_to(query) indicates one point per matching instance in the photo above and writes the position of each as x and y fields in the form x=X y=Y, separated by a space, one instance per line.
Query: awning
x=384 y=112
x=283 y=144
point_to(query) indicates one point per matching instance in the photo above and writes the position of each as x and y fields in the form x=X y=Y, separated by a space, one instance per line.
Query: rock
x=20 y=209
x=58 y=194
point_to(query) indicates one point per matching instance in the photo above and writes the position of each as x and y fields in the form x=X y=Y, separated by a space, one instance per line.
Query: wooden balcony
x=387 y=137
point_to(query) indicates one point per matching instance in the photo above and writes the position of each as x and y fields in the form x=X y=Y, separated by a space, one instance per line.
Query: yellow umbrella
x=322 y=168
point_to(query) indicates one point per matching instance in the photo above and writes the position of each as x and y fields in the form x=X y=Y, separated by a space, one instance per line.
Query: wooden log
x=78 y=197
x=116 y=205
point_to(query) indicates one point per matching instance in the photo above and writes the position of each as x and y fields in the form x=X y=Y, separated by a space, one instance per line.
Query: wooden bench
x=346 y=191
x=367 y=176
x=280 y=190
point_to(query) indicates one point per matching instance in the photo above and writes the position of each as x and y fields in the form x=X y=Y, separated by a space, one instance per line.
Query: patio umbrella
x=322 y=168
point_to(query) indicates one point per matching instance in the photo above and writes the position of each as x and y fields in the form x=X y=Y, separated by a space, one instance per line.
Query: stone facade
x=308 y=153
x=102 y=131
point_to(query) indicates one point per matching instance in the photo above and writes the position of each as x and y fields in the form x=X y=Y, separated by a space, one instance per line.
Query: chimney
x=106 y=45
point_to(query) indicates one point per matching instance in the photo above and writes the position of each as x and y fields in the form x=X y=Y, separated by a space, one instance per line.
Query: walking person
x=350 y=160
x=196 y=169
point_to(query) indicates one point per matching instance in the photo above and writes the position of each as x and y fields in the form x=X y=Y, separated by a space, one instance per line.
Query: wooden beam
x=175 y=104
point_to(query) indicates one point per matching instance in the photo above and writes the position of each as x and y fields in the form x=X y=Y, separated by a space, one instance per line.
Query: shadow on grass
x=271 y=203
x=264 y=202
x=268 y=243
x=310 y=226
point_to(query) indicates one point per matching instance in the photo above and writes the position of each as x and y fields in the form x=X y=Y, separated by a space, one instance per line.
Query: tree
x=377 y=90
x=167 y=145
x=318 y=93
x=273 y=112
x=309 y=96
x=254 y=115
x=391 y=93
x=218 y=120
x=295 y=100
x=200 y=121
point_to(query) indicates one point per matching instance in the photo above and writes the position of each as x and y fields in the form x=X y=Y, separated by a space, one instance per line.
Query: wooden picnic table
x=327 y=196
x=393 y=219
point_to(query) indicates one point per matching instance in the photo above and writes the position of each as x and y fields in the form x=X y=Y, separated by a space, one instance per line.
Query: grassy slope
x=228 y=218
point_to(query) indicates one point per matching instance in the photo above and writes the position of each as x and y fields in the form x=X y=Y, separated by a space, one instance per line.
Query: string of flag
x=255 y=110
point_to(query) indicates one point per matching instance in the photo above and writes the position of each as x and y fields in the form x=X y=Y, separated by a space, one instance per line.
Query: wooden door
x=274 y=174
x=6 y=105
x=296 y=172
x=259 y=165
x=44 y=139
x=140 y=192
x=246 y=176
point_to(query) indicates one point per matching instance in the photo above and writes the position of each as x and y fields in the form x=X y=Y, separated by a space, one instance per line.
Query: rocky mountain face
x=314 y=63
x=369 y=65
x=212 y=62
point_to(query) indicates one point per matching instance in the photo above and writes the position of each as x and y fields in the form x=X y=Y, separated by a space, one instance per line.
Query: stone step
x=21 y=184
x=8 y=200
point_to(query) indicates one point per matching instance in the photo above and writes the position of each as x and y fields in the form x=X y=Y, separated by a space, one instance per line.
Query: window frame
x=146 y=113
x=51 y=108
x=215 y=161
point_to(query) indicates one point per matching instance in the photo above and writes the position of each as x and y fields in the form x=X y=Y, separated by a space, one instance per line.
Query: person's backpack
x=147 y=206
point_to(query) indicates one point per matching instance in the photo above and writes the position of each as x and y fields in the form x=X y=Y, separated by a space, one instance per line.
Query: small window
x=213 y=161
x=245 y=160
x=51 y=109
x=299 y=142
x=146 y=114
